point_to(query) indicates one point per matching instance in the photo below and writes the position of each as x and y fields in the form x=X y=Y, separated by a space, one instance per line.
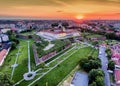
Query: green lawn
x=22 y=60
x=95 y=53
x=58 y=73
x=58 y=54
x=28 y=33
x=91 y=35
x=94 y=35
x=6 y=67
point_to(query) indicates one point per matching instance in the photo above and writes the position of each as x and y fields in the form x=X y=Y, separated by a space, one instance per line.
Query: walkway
x=51 y=69
x=48 y=69
x=29 y=67
x=15 y=64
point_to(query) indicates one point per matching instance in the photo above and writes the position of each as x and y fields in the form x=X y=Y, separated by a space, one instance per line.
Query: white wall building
x=4 y=38
x=117 y=26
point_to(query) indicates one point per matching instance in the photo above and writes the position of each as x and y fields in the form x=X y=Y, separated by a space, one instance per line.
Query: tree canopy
x=5 y=79
x=96 y=75
x=87 y=64
x=111 y=65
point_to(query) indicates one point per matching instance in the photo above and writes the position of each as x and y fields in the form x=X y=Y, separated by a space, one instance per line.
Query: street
x=104 y=61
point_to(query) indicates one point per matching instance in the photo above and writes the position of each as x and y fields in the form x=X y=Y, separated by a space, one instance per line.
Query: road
x=104 y=61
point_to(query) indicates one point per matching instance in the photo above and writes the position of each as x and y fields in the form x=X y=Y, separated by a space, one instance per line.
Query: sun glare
x=79 y=17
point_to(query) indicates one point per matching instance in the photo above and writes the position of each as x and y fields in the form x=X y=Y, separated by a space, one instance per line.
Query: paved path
x=104 y=60
x=18 y=82
x=60 y=56
x=29 y=67
x=52 y=68
x=15 y=64
x=43 y=74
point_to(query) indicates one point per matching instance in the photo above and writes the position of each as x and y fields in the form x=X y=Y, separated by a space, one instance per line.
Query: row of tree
x=87 y=64
x=58 y=46
x=5 y=79
x=111 y=63
x=13 y=39
x=96 y=77
x=92 y=66
x=65 y=24
x=108 y=35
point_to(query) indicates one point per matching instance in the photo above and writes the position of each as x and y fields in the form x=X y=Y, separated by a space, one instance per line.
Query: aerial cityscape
x=60 y=43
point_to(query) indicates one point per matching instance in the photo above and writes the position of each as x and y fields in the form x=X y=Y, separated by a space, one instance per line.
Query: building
x=4 y=38
x=117 y=25
x=116 y=58
x=58 y=33
x=4 y=52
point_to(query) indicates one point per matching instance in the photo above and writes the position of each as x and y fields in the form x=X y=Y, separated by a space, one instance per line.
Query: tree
x=16 y=41
x=110 y=35
x=5 y=79
x=93 y=84
x=108 y=51
x=13 y=46
x=87 y=64
x=54 y=24
x=11 y=35
x=82 y=62
x=111 y=65
x=95 y=43
x=95 y=73
x=65 y=24
x=87 y=67
x=42 y=65
x=99 y=81
x=94 y=64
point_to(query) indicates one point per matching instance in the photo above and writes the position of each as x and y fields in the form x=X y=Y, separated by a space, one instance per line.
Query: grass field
x=91 y=35
x=22 y=61
x=58 y=73
x=63 y=69
x=28 y=33
x=70 y=76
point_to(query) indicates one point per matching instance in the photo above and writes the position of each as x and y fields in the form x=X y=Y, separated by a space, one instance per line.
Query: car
x=100 y=53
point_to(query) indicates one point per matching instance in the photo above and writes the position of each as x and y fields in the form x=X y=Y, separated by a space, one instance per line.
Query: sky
x=60 y=9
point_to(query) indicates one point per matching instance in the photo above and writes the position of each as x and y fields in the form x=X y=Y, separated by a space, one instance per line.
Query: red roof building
x=117 y=77
x=2 y=56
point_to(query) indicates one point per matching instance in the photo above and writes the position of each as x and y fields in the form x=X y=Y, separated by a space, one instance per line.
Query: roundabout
x=29 y=76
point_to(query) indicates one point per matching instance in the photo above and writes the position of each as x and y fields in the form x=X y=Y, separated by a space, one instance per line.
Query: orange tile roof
x=117 y=77
x=2 y=54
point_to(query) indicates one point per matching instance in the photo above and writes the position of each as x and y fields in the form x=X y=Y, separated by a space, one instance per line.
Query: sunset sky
x=60 y=9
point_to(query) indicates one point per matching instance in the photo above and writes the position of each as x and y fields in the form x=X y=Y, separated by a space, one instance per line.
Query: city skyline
x=60 y=9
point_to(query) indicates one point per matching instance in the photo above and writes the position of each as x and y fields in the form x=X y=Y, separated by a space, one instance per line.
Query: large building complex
x=58 y=33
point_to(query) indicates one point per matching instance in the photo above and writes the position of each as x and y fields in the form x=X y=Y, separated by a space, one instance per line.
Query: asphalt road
x=104 y=61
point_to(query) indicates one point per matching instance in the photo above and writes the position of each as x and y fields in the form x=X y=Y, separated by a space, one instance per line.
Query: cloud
x=29 y=2
x=117 y=13
x=66 y=3
x=58 y=8
x=59 y=11
x=114 y=1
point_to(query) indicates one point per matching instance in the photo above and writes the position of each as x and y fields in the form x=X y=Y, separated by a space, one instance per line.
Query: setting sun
x=79 y=17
